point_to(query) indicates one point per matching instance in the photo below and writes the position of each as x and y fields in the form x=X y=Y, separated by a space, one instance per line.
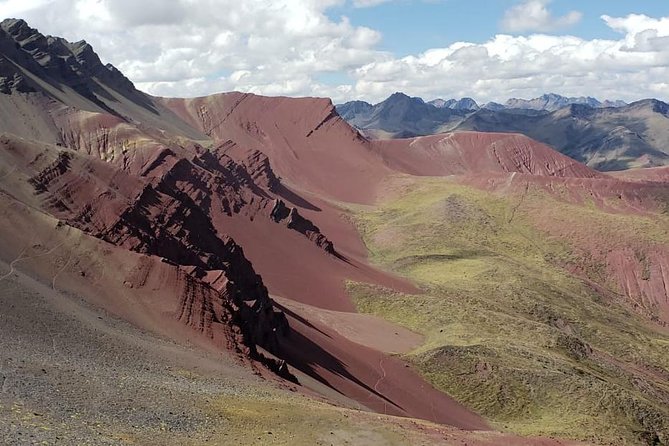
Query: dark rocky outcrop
x=170 y=219
x=293 y=220
x=57 y=62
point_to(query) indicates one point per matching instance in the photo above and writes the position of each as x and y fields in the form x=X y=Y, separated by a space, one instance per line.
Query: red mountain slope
x=465 y=153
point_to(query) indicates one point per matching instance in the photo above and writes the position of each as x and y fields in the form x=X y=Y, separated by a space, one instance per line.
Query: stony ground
x=73 y=375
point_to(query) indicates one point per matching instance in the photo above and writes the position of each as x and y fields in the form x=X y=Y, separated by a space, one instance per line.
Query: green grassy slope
x=508 y=331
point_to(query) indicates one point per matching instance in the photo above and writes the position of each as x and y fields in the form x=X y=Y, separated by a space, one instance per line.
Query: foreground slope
x=74 y=374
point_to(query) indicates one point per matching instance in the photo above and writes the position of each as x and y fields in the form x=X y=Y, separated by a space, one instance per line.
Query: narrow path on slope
x=383 y=374
x=11 y=265
x=509 y=182
x=378 y=382
x=20 y=258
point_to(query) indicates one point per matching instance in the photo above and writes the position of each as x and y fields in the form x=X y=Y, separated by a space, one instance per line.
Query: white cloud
x=290 y=47
x=632 y=67
x=642 y=33
x=14 y=8
x=368 y=3
x=534 y=15
x=636 y=23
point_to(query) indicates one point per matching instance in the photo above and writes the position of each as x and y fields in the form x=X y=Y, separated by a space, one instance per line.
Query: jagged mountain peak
x=575 y=110
x=56 y=62
x=455 y=104
x=441 y=103
x=399 y=97
x=16 y=27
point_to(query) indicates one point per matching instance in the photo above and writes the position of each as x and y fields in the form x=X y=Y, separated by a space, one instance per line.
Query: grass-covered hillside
x=508 y=330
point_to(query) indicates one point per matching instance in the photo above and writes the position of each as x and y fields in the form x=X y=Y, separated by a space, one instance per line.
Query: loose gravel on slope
x=72 y=375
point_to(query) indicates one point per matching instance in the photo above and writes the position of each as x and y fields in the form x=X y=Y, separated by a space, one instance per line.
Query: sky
x=489 y=50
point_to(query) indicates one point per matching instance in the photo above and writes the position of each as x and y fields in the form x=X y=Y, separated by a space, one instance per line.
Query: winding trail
x=520 y=202
x=383 y=375
x=509 y=182
x=20 y=258
x=11 y=265
x=378 y=382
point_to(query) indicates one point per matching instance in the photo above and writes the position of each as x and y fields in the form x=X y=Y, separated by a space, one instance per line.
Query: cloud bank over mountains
x=293 y=47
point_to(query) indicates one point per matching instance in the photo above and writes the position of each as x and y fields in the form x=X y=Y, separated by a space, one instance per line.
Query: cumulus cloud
x=292 y=47
x=534 y=15
x=632 y=67
x=643 y=33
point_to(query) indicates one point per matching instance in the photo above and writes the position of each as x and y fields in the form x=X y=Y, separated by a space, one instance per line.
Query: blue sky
x=412 y=26
x=368 y=49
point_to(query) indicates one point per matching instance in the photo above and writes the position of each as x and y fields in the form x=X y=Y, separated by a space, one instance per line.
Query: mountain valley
x=245 y=269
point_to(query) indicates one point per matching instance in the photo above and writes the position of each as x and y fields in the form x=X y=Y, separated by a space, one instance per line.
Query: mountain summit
x=54 y=62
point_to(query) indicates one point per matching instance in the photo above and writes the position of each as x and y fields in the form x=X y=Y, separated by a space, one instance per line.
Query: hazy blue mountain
x=606 y=135
x=400 y=116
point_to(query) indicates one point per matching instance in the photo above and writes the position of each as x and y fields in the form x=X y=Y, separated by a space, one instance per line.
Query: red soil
x=309 y=145
x=379 y=382
x=271 y=178
x=305 y=274
x=465 y=153
x=319 y=158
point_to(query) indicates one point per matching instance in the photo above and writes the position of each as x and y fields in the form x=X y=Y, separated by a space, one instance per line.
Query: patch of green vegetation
x=280 y=419
x=508 y=331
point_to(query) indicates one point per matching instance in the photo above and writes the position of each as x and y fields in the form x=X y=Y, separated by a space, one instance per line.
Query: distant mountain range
x=401 y=116
x=605 y=135
x=553 y=102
